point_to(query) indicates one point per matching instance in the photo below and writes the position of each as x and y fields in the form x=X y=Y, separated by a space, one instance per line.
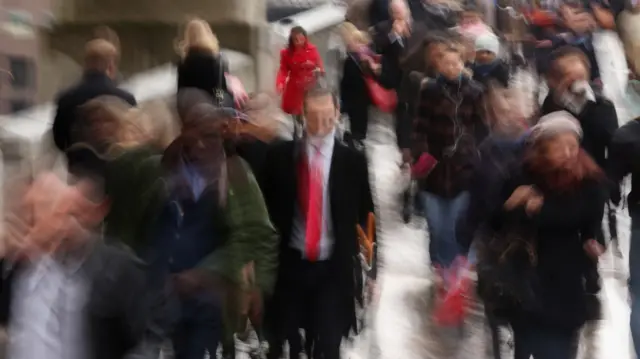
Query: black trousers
x=308 y=298
x=545 y=343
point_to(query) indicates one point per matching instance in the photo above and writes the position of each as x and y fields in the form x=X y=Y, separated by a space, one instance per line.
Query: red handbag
x=384 y=99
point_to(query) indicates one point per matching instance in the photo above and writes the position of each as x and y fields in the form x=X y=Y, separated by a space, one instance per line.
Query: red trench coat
x=296 y=74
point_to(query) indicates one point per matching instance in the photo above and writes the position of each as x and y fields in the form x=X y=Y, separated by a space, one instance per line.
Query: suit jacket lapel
x=336 y=170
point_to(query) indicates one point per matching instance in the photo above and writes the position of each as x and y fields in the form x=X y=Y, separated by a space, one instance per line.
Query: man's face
x=61 y=213
x=320 y=115
x=570 y=68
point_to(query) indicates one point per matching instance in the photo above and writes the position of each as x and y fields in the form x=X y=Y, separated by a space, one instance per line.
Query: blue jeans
x=442 y=216
x=199 y=327
x=634 y=277
x=545 y=343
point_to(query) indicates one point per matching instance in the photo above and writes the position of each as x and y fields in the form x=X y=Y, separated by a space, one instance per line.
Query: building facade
x=19 y=47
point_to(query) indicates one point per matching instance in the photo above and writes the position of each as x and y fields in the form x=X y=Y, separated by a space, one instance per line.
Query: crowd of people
x=197 y=223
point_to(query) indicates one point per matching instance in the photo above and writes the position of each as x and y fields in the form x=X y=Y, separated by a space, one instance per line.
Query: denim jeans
x=442 y=215
x=545 y=343
x=634 y=277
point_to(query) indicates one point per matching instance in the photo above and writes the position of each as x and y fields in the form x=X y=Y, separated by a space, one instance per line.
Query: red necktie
x=315 y=206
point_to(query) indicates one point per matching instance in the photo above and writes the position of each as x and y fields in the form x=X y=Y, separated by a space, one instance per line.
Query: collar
x=323 y=144
x=71 y=260
x=96 y=75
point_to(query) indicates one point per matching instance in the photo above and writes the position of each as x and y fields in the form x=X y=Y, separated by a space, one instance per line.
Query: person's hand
x=566 y=84
x=256 y=307
x=533 y=204
x=375 y=67
x=519 y=197
x=401 y=28
x=188 y=282
x=280 y=88
x=593 y=249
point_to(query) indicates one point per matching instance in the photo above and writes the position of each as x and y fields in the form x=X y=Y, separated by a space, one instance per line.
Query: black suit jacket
x=350 y=202
x=117 y=314
x=92 y=85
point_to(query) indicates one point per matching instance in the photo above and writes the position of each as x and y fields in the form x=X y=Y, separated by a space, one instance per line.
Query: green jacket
x=135 y=185
x=251 y=236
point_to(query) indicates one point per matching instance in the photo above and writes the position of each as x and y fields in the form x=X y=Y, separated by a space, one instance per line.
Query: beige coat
x=629 y=31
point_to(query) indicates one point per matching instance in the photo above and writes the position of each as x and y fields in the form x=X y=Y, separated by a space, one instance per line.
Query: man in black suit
x=317 y=191
x=100 y=70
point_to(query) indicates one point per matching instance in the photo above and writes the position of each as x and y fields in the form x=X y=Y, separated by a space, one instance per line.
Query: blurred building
x=19 y=48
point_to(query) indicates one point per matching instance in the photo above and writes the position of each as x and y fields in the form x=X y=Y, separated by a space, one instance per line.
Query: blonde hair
x=198 y=34
x=127 y=126
x=350 y=33
x=162 y=122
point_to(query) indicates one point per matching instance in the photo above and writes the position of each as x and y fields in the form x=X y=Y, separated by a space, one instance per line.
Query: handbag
x=384 y=99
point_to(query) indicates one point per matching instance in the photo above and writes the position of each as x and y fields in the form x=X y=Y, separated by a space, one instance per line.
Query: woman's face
x=562 y=150
x=450 y=65
x=299 y=40
x=435 y=53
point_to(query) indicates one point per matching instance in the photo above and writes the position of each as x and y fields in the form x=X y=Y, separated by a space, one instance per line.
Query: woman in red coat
x=299 y=62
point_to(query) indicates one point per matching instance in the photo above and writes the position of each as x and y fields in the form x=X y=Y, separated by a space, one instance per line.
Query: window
x=22 y=70
x=19 y=105
x=19 y=23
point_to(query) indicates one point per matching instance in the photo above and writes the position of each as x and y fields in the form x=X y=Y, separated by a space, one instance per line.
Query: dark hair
x=437 y=38
x=297 y=30
x=320 y=88
x=564 y=52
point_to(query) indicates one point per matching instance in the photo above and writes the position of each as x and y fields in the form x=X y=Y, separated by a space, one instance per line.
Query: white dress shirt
x=48 y=312
x=325 y=147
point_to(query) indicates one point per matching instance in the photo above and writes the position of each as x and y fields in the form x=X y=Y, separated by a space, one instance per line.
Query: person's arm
x=60 y=129
x=317 y=59
x=502 y=74
x=618 y=165
x=283 y=70
x=345 y=84
x=259 y=230
x=594 y=199
x=604 y=119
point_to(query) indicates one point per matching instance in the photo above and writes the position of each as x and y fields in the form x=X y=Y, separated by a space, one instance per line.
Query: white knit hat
x=555 y=123
x=488 y=42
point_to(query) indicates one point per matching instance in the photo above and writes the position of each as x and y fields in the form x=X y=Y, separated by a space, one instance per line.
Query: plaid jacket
x=449 y=125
